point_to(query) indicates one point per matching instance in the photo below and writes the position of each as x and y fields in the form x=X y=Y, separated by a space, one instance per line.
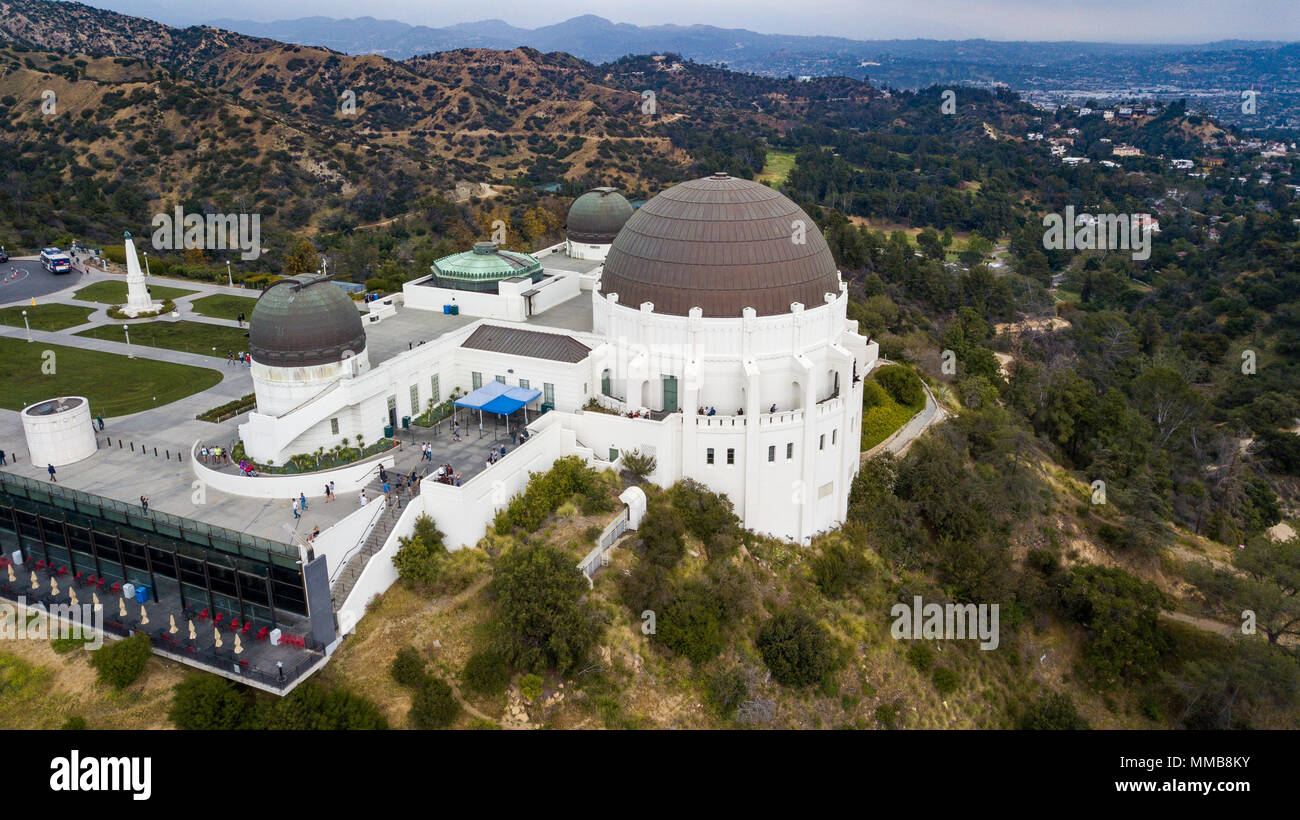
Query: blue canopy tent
x=495 y=397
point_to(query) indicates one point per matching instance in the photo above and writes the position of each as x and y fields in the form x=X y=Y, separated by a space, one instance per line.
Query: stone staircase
x=358 y=560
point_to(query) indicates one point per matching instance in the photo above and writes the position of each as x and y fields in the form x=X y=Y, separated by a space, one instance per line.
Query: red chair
x=263 y=632
x=216 y=619
x=247 y=626
x=203 y=616
x=63 y=570
x=77 y=577
x=115 y=587
x=40 y=564
x=102 y=580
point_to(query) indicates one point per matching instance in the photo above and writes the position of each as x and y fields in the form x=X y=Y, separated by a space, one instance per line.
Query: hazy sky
x=1129 y=21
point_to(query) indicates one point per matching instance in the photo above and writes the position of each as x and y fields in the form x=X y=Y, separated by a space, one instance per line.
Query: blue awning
x=495 y=397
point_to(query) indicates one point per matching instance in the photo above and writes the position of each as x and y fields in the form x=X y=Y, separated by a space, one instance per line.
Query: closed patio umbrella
x=144 y=616
x=171 y=625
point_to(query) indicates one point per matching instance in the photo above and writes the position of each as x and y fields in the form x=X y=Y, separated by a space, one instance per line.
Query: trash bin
x=455 y=310
x=446 y=309
x=388 y=431
x=141 y=594
x=128 y=591
x=406 y=422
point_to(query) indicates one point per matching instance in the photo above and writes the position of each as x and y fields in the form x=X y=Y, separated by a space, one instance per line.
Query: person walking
x=296 y=513
x=331 y=490
x=363 y=498
x=52 y=478
x=302 y=501
x=144 y=503
x=4 y=461
x=99 y=419
x=328 y=495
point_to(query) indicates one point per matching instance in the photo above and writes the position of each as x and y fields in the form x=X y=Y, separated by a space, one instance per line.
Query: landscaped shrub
x=903 y=384
x=921 y=656
x=434 y=705
x=547 y=491
x=945 y=680
x=204 y=701
x=421 y=557
x=312 y=706
x=841 y=567
x=530 y=686
x=119 y=663
x=691 y=625
x=704 y=513
x=486 y=673
x=544 y=618
x=1054 y=711
x=796 y=648
x=873 y=395
x=408 y=667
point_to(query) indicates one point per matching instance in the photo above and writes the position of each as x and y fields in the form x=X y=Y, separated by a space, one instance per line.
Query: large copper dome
x=302 y=321
x=721 y=244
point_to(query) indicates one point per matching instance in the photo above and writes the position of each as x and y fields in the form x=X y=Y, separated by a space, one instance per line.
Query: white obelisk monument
x=137 y=295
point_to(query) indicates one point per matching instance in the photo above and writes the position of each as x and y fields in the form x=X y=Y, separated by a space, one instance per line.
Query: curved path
x=929 y=415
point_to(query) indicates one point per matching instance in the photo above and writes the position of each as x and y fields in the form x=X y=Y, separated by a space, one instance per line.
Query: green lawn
x=224 y=306
x=880 y=422
x=45 y=317
x=776 y=167
x=115 y=385
x=114 y=293
x=191 y=337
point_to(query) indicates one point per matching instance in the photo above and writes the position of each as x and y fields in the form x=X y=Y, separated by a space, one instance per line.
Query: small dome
x=721 y=244
x=482 y=268
x=304 y=320
x=597 y=216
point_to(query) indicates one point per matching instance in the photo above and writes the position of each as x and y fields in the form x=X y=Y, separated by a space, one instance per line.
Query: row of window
x=771 y=449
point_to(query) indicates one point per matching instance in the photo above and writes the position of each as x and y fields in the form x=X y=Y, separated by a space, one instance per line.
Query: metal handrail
x=381 y=504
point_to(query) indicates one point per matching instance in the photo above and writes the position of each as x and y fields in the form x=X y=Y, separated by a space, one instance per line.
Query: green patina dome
x=482 y=268
x=304 y=320
x=597 y=216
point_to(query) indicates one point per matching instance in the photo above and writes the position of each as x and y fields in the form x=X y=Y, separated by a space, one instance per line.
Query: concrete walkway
x=902 y=439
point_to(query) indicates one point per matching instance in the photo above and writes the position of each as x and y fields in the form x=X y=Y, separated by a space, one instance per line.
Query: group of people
x=426 y=452
x=247 y=468
x=241 y=357
x=329 y=492
x=446 y=475
x=710 y=411
x=497 y=453
x=217 y=456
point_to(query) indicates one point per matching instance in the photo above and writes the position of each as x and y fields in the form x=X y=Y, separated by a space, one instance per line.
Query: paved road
x=902 y=439
x=32 y=281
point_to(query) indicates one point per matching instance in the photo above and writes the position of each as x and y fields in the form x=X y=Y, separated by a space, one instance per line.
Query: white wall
x=379 y=574
x=463 y=513
x=339 y=540
x=346 y=479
